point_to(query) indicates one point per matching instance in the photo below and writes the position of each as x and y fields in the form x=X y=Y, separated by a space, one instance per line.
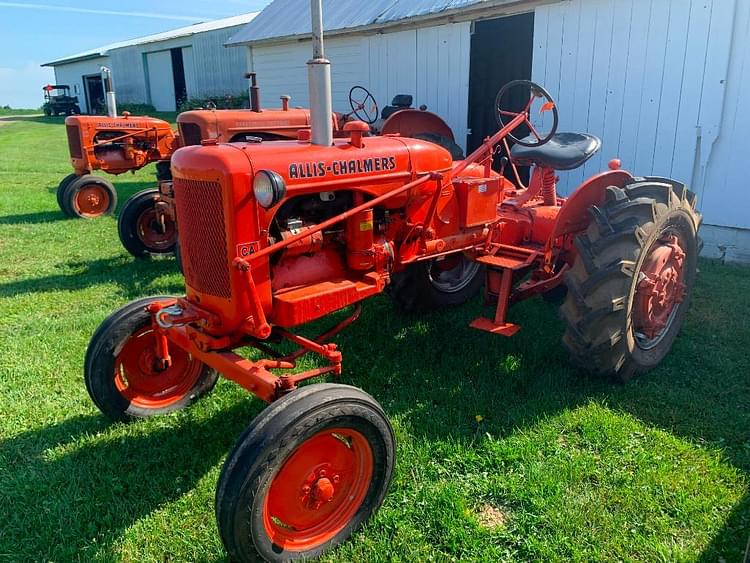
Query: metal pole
x=109 y=90
x=254 y=92
x=319 y=78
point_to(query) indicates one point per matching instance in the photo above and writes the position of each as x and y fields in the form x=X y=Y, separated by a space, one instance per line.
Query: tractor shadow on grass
x=33 y=218
x=133 y=277
x=439 y=374
x=74 y=487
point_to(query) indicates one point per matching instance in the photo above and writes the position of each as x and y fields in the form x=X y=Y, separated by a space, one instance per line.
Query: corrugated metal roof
x=288 y=18
x=163 y=36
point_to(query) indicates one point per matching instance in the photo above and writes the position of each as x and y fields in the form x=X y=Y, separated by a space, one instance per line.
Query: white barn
x=660 y=81
x=160 y=69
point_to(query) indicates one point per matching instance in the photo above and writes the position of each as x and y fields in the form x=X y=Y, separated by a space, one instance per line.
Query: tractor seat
x=400 y=101
x=564 y=151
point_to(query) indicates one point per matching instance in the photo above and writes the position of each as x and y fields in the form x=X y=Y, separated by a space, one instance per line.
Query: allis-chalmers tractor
x=277 y=234
x=117 y=144
x=147 y=223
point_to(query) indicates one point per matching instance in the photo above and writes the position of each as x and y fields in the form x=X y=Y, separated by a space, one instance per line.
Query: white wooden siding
x=661 y=82
x=72 y=74
x=210 y=68
x=430 y=63
x=161 y=80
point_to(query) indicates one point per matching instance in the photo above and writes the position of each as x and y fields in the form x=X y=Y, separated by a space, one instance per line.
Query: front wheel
x=451 y=280
x=89 y=196
x=122 y=372
x=631 y=283
x=307 y=472
x=142 y=229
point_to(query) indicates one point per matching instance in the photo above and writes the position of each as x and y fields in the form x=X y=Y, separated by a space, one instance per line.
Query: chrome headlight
x=269 y=188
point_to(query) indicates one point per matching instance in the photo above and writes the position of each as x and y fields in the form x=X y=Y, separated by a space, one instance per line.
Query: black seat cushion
x=564 y=151
x=399 y=102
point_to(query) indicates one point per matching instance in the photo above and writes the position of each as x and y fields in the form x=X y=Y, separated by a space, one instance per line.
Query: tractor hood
x=229 y=125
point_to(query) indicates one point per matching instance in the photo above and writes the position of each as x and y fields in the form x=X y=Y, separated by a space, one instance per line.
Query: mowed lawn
x=505 y=451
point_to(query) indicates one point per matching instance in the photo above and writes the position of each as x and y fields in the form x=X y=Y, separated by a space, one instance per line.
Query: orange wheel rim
x=142 y=383
x=156 y=231
x=92 y=200
x=319 y=489
x=660 y=290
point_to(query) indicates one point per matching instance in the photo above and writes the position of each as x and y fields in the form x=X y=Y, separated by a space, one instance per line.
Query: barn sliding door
x=161 y=81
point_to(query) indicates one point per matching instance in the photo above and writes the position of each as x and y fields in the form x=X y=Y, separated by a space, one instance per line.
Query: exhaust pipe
x=319 y=78
x=254 y=92
x=109 y=90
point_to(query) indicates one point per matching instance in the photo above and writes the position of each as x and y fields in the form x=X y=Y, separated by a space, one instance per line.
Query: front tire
x=121 y=372
x=61 y=187
x=631 y=283
x=143 y=232
x=89 y=196
x=306 y=473
x=436 y=283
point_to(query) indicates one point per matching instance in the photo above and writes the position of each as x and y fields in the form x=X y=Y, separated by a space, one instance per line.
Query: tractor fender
x=410 y=122
x=573 y=216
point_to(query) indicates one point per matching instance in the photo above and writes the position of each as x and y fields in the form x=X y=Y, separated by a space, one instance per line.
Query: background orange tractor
x=117 y=144
x=276 y=234
x=147 y=225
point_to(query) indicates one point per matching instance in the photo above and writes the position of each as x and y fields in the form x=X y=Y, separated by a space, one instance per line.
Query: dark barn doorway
x=501 y=51
x=178 y=71
x=94 y=91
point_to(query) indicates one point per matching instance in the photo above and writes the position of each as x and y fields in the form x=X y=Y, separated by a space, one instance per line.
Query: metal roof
x=186 y=31
x=289 y=18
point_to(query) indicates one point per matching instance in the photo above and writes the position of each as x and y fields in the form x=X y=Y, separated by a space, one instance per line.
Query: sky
x=39 y=31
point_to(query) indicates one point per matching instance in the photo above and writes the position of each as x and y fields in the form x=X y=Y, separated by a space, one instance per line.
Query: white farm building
x=161 y=69
x=660 y=81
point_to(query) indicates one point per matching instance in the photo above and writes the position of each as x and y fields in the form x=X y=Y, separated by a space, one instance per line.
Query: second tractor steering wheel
x=363 y=104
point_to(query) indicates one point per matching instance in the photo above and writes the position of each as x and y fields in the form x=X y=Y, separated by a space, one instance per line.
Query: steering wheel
x=525 y=92
x=361 y=100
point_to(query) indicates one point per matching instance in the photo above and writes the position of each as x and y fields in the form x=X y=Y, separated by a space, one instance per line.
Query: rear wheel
x=163 y=171
x=630 y=286
x=178 y=257
x=89 y=196
x=452 y=280
x=122 y=372
x=143 y=230
x=61 y=187
x=307 y=472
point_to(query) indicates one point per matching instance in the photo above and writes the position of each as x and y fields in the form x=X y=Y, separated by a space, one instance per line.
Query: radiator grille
x=202 y=234
x=74 y=141
x=190 y=134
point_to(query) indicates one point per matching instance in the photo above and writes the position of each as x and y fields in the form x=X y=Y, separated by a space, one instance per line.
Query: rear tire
x=62 y=186
x=89 y=196
x=308 y=471
x=436 y=283
x=164 y=171
x=139 y=228
x=178 y=257
x=616 y=326
x=120 y=375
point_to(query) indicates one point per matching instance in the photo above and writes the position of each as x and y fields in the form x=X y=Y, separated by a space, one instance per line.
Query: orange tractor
x=117 y=144
x=276 y=234
x=147 y=223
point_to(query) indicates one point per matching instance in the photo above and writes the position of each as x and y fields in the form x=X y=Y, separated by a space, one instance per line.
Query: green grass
x=17 y=111
x=570 y=467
